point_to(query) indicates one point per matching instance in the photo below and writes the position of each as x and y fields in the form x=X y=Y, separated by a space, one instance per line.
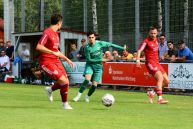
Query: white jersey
x=5 y=59
x=25 y=55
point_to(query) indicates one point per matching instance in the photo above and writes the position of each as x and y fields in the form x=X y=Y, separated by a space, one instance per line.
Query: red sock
x=64 y=93
x=155 y=90
x=158 y=91
x=56 y=86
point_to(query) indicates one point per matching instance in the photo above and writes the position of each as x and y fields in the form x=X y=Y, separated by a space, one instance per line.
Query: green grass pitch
x=27 y=107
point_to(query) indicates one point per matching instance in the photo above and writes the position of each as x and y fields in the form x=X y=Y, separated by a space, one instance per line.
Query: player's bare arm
x=66 y=59
x=138 y=64
x=43 y=49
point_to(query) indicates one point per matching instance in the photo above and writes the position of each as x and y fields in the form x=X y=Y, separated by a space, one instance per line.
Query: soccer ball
x=108 y=100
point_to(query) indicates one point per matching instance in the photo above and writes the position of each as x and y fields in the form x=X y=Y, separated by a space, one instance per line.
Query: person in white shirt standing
x=4 y=62
x=25 y=54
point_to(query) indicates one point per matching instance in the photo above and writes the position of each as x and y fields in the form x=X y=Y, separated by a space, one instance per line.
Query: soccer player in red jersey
x=49 y=61
x=150 y=48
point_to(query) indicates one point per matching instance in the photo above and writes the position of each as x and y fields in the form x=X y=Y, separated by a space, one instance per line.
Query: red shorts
x=54 y=70
x=153 y=67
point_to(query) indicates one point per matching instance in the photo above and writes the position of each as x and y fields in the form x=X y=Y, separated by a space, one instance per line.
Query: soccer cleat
x=151 y=96
x=75 y=99
x=87 y=99
x=162 y=101
x=49 y=93
x=67 y=107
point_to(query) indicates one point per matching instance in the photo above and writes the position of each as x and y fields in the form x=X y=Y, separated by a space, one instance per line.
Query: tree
x=186 y=24
x=94 y=15
x=159 y=17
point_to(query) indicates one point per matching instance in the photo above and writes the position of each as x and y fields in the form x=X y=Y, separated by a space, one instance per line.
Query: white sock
x=153 y=92
x=50 y=89
x=79 y=94
x=87 y=96
x=159 y=97
x=65 y=103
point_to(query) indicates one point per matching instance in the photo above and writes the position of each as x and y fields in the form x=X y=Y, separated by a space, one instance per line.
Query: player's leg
x=85 y=83
x=160 y=79
x=95 y=80
x=166 y=80
x=88 y=74
x=49 y=71
x=91 y=91
x=82 y=87
x=64 y=86
x=56 y=71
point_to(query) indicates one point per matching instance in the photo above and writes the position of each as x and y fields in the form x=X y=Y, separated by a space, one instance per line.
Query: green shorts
x=95 y=70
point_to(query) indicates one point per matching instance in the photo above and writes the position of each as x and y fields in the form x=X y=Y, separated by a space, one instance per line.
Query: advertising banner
x=181 y=75
x=75 y=74
x=128 y=74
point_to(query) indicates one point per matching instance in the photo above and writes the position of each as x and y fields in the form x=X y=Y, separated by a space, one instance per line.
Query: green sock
x=83 y=86
x=91 y=90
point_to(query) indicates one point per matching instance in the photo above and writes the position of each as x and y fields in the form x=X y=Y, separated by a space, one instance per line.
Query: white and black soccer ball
x=108 y=100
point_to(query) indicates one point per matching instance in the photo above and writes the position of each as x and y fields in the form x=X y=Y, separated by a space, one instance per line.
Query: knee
x=160 y=79
x=166 y=81
x=63 y=81
x=66 y=82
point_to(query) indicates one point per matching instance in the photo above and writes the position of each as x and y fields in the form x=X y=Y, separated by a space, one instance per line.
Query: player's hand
x=70 y=63
x=138 y=64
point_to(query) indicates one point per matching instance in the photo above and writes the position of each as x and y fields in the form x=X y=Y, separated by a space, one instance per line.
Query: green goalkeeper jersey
x=94 y=52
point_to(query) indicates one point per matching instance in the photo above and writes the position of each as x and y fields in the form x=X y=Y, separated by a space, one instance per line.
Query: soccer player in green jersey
x=93 y=69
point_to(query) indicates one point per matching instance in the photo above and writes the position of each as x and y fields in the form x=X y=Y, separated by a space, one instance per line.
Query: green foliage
x=26 y=107
x=73 y=14
x=51 y=7
x=1 y=9
x=32 y=15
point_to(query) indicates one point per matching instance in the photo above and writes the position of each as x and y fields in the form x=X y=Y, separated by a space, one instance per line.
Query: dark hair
x=152 y=28
x=162 y=35
x=170 y=42
x=55 y=18
x=83 y=40
x=90 y=33
x=181 y=42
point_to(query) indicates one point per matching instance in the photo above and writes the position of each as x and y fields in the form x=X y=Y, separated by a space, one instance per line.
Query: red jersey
x=50 y=40
x=150 y=48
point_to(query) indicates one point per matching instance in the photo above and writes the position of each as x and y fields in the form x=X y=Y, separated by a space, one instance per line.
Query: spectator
x=126 y=55
x=25 y=54
x=2 y=47
x=36 y=73
x=134 y=55
x=184 y=53
x=81 y=53
x=142 y=56
x=10 y=50
x=4 y=62
x=107 y=56
x=73 y=53
x=162 y=47
x=116 y=55
x=171 y=54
